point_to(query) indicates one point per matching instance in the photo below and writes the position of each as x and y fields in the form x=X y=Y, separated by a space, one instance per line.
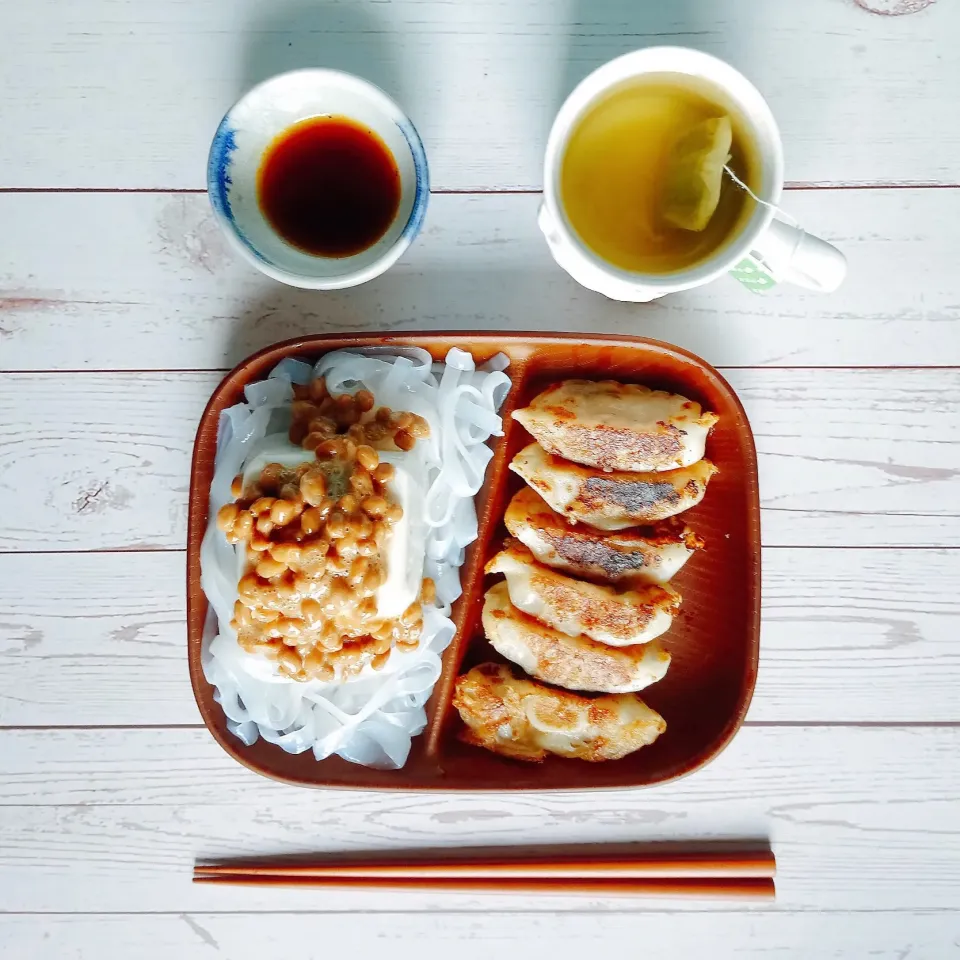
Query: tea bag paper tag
x=753 y=271
x=754 y=274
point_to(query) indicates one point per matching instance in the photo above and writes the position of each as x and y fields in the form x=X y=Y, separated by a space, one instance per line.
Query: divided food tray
x=714 y=642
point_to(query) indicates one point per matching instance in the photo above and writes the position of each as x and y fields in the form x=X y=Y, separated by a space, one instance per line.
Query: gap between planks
x=788 y=186
x=609 y=911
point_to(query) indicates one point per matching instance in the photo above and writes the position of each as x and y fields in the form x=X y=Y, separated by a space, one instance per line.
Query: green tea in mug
x=642 y=181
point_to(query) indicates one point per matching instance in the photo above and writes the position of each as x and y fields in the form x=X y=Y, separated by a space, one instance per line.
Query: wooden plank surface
x=110 y=788
x=566 y=935
x=847 y=457
x=145 y=281
x=848 y=636
x=99 y=93
x=111 y=820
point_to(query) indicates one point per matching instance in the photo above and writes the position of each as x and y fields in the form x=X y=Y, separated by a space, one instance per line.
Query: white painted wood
x=858 y=635
x=101 y=826
x=848 y=636
x=105 y=93
x=104 y=281
x=70 y=642
x=847 y=457
x=112 y=820
x=927 y=935
x=839 y=448
x=114 y=455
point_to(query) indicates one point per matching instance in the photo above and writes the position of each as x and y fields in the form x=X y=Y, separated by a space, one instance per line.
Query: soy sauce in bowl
x=329 y=186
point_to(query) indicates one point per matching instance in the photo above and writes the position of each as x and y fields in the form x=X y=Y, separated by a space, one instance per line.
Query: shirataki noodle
x=367 y=715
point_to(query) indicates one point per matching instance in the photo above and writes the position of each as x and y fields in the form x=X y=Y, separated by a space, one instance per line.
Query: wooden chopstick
x=754 y=888
x=680 y=866
x=727 y=874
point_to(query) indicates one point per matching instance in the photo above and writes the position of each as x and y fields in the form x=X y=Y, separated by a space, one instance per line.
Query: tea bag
x=691 y=188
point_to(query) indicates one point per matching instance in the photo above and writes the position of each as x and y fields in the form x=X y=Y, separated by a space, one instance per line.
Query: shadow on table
x=455 y=297
x=340 y=36
x=603 y=29
x=299 y=33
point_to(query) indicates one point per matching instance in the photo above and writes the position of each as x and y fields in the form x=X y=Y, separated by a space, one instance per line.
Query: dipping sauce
x=329 y=186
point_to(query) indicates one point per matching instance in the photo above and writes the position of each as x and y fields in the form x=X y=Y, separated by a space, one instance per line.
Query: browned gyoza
x=619 y=618
x=618 y=426
x=649 y=554
x=575 y=663
x=611 y=501
x=525 y=720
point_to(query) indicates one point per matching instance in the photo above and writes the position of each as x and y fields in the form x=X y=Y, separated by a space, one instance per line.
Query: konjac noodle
x=341 y=507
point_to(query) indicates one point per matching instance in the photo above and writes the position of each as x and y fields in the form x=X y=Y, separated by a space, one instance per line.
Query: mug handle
x=801 y=258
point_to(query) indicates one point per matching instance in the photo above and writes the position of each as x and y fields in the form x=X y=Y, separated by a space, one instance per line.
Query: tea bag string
x=771 y=206
x=800 y=232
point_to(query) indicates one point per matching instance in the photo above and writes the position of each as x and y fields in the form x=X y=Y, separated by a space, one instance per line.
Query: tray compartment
x=713 y=641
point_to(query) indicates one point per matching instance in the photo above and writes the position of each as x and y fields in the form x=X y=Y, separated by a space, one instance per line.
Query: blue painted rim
x=219 y=181
x=422 y=192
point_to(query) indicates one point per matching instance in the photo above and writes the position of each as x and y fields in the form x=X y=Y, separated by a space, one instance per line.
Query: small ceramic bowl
x=265 y=112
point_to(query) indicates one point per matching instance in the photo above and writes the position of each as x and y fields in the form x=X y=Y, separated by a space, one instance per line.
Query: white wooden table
x=120 y=308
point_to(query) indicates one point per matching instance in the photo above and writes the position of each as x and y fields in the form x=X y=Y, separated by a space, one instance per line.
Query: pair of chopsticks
x=722 y=875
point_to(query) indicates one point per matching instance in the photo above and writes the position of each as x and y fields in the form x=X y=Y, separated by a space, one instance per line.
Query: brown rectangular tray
x=715 y=642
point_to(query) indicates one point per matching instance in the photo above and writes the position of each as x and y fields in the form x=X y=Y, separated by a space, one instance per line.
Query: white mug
x=764 y=249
